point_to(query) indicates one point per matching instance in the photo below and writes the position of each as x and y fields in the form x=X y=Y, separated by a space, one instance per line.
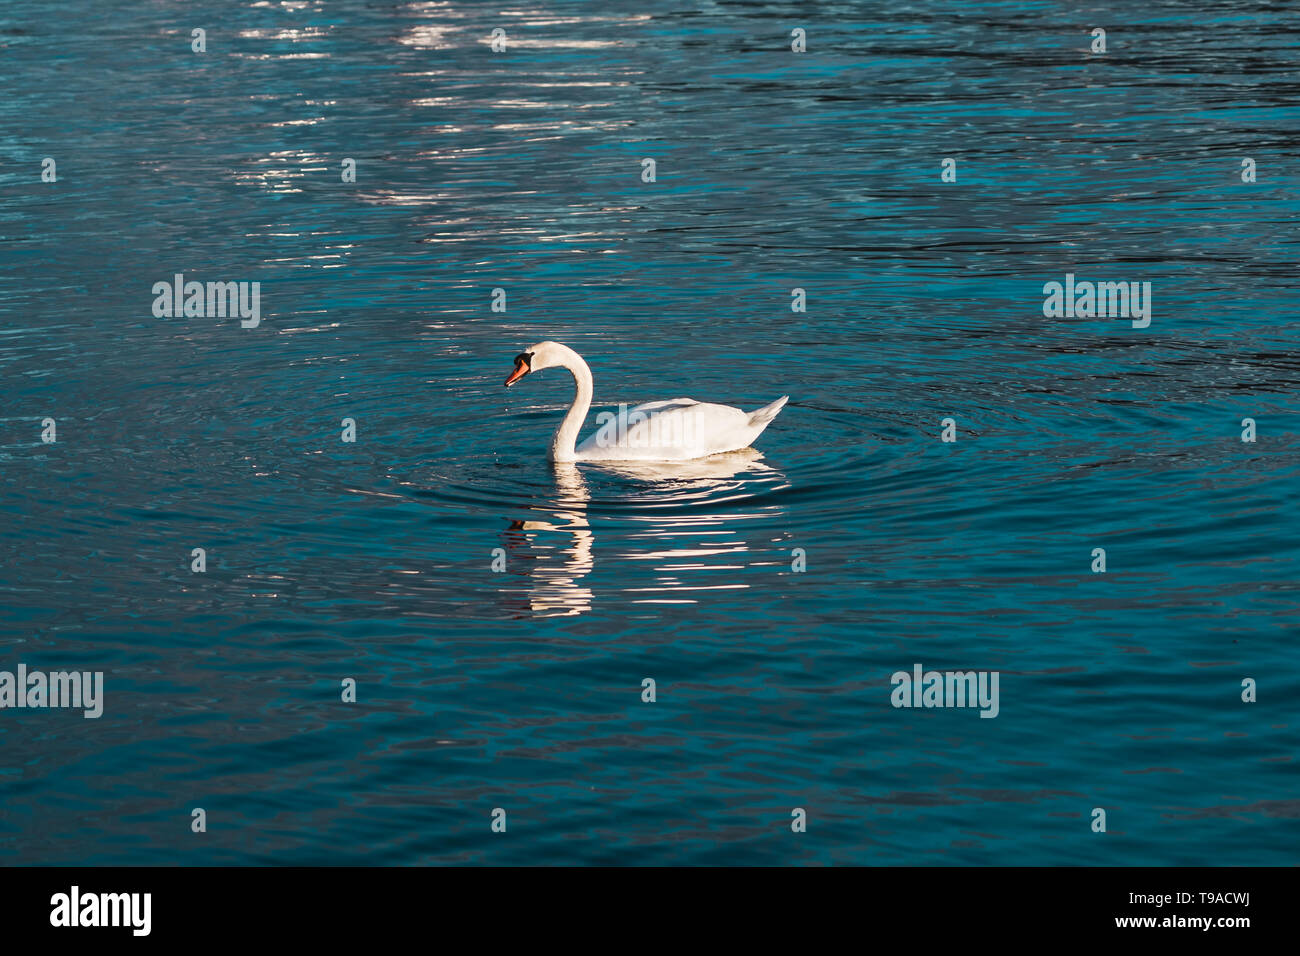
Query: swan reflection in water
x=556 y=570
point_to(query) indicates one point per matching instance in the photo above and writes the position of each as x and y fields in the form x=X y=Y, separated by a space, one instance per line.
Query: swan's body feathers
x=679 y=429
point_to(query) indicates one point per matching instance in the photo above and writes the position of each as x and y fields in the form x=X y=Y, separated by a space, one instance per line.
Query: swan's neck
x=566 y=436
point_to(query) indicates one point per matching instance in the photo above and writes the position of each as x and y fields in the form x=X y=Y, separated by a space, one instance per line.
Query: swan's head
x=537 y=357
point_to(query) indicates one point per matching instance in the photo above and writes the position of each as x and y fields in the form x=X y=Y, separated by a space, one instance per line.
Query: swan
x=679 y=429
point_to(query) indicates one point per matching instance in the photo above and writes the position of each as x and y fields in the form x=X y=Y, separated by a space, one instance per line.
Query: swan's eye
x=526 y=358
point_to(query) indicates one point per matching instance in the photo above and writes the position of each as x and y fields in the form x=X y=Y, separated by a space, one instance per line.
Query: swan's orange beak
x=521 y=369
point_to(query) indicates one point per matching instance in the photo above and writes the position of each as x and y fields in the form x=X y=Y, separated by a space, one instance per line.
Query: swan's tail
x=759 y=418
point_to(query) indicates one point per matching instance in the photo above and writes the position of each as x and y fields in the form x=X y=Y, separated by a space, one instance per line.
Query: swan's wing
x=652 y=408
x=676 y=428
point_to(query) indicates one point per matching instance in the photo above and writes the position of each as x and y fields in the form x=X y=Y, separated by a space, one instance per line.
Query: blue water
x=521 y=688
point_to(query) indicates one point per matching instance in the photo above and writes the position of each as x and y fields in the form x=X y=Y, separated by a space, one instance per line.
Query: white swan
x=676 y=430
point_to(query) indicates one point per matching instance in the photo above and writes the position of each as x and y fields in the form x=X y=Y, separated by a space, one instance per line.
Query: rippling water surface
x=520 y=688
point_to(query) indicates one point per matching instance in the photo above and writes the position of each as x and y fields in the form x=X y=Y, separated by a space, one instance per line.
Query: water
x=521 y=689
